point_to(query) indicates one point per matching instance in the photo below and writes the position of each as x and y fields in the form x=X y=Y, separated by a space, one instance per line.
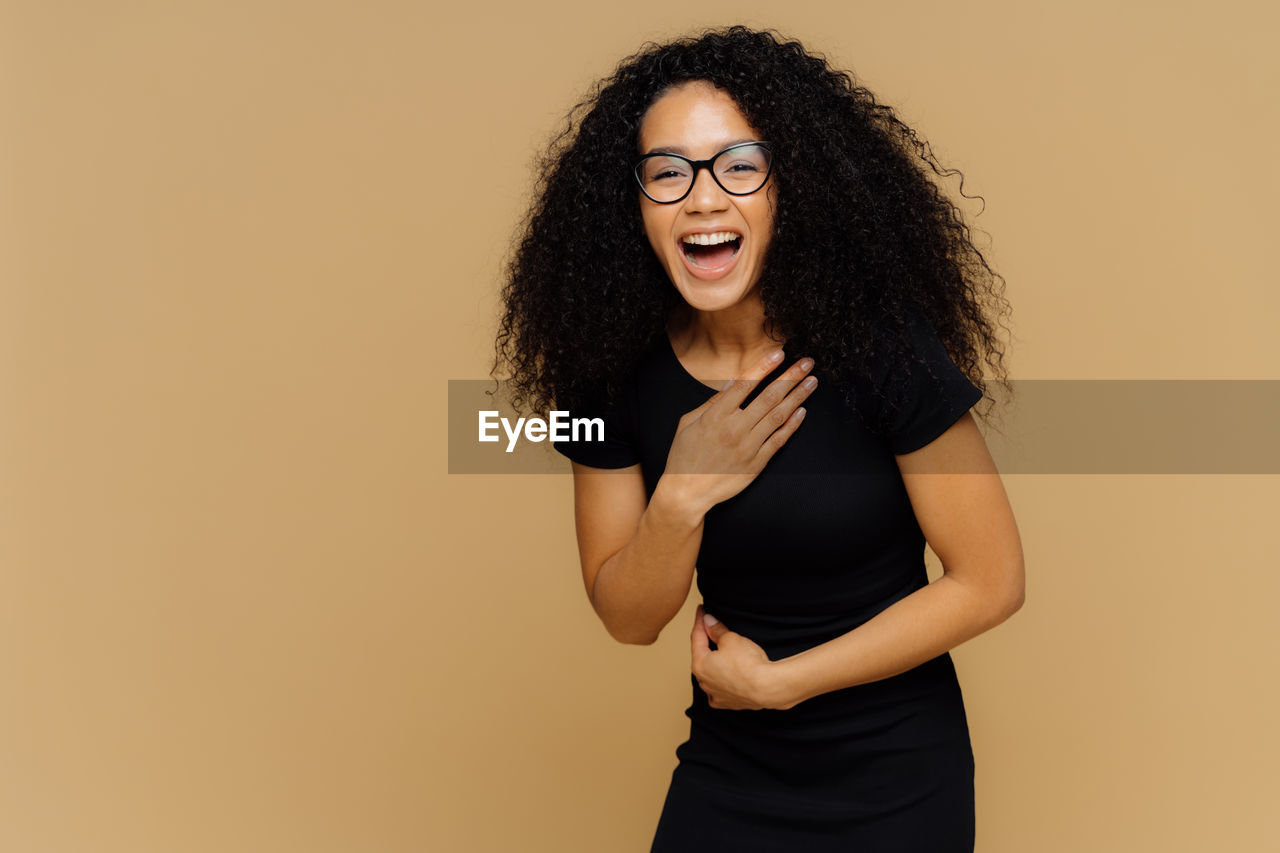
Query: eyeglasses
x=738 y=170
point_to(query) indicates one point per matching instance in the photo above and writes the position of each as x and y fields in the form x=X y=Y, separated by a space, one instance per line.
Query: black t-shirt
x=822 y=540
x=846 y=543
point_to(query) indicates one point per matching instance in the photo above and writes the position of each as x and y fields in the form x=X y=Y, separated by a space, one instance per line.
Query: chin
x=710 y=303
x=711 y=296
x=708 y=295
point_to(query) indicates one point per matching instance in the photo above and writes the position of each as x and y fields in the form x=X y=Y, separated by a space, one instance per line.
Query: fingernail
x=776 y=355
x=725 y=386
x=709 y=620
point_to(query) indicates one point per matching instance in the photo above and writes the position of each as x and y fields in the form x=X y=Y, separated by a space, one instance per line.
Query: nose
x=706 y=196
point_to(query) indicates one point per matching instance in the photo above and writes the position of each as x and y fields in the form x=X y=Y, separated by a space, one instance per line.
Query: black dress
x=822 y=540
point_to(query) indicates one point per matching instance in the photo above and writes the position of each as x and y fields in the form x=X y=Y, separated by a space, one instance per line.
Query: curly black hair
x=863 y=236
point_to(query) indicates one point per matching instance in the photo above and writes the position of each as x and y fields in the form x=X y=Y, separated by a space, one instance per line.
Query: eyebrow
x=683 y=152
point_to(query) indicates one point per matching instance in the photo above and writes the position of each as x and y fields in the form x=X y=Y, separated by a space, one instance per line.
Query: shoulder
x=612 y=403
x=919 y=391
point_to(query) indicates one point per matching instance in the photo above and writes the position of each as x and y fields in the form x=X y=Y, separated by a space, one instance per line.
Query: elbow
x=1015 y=594
x=999 y=608
x=1016 y=603
x=629 y=634
x=632 y=637
x=1000 y=600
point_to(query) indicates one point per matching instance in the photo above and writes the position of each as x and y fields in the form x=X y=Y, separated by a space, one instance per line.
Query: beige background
x=244 y=245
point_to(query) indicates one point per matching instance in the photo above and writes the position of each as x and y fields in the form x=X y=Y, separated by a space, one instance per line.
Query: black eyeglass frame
x=703 y=164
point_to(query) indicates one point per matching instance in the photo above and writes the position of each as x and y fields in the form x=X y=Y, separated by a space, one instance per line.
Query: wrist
x=672 y=502
x=782 y=687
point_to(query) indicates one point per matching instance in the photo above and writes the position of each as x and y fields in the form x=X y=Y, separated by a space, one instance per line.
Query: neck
x=740 y=333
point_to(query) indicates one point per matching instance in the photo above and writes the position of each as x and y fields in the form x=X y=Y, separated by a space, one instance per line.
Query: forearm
x=912 y=630
x=642 y=587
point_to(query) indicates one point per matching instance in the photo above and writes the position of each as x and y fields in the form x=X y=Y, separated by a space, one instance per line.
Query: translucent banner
x=1053 y=426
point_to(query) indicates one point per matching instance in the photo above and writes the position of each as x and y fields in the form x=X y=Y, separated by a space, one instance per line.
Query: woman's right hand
x=719 y=448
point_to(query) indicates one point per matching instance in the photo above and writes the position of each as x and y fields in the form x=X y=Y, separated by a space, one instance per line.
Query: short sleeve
x=605 y=430
x=922 y=407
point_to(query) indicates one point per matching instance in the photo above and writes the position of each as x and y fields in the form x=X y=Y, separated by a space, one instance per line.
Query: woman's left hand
x=738 y=675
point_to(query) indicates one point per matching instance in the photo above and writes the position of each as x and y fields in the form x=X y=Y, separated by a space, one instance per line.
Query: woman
x=724 y=198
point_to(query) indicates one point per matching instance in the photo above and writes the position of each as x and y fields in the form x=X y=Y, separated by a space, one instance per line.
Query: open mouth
x=711 y=251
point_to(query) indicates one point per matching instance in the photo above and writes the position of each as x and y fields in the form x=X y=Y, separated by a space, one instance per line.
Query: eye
x=664 y=169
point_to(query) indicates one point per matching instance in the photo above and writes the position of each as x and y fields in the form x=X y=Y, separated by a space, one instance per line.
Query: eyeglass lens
x=741 y=169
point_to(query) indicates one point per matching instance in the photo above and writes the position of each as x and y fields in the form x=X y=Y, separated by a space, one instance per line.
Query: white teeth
x=711 y=239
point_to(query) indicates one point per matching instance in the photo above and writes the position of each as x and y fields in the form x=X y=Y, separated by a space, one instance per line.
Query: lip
x=710 y=274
